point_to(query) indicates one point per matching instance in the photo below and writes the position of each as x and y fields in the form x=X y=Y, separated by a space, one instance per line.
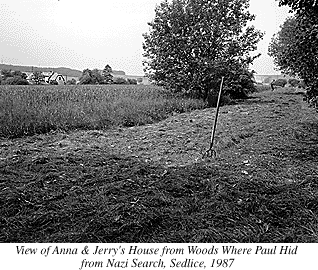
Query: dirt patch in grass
x=150 y=183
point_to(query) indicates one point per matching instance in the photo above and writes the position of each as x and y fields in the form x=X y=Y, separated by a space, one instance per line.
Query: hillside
x=61 y=70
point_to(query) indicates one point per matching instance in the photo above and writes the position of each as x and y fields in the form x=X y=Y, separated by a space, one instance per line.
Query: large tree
x=283 y=50
x=294 y=47
x=192 y=43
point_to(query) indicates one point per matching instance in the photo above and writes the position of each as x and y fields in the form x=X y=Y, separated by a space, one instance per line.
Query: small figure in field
x=272 y=85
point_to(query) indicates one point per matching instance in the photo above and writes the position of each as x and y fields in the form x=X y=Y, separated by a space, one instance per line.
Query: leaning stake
x=211 y=152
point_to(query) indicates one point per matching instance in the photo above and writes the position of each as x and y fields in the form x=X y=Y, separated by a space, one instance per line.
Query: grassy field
x=28 y=110
x=150 y=184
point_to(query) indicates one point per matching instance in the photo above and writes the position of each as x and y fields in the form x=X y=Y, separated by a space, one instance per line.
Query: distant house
x=56 y=78
x=145 y=81
x=48 y=78
x=30 y=77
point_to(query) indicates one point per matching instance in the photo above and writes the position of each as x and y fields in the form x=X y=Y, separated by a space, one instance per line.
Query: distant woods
x=104 y=76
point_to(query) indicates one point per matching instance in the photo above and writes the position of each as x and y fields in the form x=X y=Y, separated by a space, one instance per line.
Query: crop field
x=150 y=183
x=29 y=110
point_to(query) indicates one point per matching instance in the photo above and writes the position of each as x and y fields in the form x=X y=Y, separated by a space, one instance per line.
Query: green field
x=28 y=110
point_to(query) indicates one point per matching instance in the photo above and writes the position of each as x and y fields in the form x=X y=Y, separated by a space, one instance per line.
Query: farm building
x=49 y=78
x=56 y=78
x=145 y=81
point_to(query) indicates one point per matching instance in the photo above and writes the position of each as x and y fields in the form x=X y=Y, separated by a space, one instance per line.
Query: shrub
x=37 y=78
x=132 y=81
x=71 y=82
x=12 y=77
x=54 y=83
x=241 y=85
x=279 y=82
x=16 y=80
x=213 y=98
x=6 y=73
x=119 y=80
x=86 y=79
x=293 y=82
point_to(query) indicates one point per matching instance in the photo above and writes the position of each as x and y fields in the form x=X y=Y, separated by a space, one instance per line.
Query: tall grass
x=27 y=110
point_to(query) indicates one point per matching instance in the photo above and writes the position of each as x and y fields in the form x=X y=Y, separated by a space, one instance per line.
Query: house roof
x=54 y=76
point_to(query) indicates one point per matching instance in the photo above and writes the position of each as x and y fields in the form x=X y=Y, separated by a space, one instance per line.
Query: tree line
x=95 y=76
x=104 y=76
x=295 y=47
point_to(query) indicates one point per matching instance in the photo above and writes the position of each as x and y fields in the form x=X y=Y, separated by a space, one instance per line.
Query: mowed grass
x=29 y=110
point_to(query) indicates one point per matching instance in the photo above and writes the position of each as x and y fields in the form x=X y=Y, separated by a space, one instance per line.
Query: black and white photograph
x=159 y=122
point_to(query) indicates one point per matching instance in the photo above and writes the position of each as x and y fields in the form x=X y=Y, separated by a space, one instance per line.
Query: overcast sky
x=90 y=34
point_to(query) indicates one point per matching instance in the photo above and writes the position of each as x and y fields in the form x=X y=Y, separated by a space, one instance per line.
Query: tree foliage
x=71 y=82
x=294 y=82
x=16 y=80
x=13 y=77
x=294 y=48
x=286 y=55
x=91 y=77
x=193 y=43
x=107 y=74
x=120 y=80
x=96 y=76
x=37 y=77
x=132 y=81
